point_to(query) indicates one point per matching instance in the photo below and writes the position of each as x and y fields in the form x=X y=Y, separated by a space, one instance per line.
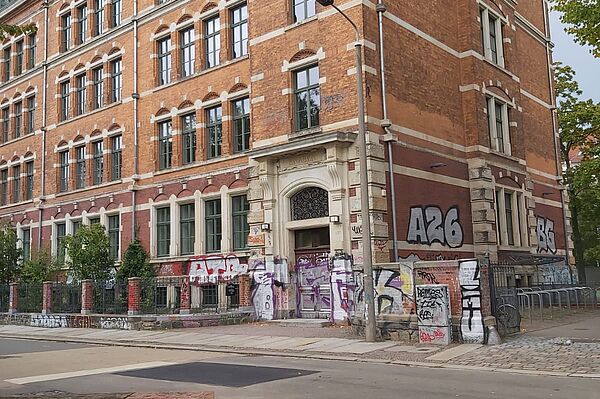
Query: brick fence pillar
x=245 y=294
x=87 y=295
x=133 y=302
x=47 y=297
x=13 y=299
x=185 y=304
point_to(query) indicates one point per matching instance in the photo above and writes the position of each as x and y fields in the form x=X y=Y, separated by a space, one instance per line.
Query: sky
x=570 y=53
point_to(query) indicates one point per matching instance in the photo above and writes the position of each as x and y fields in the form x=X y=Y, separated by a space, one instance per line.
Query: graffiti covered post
x=471 y=322
x=433 y=313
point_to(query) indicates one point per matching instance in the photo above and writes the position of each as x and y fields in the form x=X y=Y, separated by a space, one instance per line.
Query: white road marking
x=81 y=373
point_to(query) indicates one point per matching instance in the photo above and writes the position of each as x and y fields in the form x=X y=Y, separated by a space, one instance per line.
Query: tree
x=89 y=254
x=583 y=21
x=579 y=128
x=10 y=254
x=135 y=263
x=39 y=269
x=7 y=30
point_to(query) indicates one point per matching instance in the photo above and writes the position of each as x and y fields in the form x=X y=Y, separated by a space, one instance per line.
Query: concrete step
x=302 y=323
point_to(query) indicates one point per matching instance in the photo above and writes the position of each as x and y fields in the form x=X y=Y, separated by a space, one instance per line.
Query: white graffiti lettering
x=545 y=234
x=471 y=321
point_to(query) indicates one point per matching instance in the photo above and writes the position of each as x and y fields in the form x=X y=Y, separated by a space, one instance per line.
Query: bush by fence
x=110 y=298
x=66 y=298
x=29 y=298
x=4 y=297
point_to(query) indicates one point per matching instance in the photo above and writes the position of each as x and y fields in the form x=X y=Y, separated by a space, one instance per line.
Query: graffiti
x=357 y=229
x=428 y=225
x=328 y=103
x=545 y=235
x=428 y=278
x=215 y=268
x=118 y=323
x=269 y=283
x=555 y=273
x=263 y=297
x=314 y=283
x=49 y=321
x=433 y=314
x=393 y=290
x=342 y=288
x=380 y=244
x=79 y=321
x=471 y=321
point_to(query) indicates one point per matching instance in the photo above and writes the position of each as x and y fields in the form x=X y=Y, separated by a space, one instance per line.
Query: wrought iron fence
x=4 y=297
x=30 y=298
x=66 y=298
x=110 y=298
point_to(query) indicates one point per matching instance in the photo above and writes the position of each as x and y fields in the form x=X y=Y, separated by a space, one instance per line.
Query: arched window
x=310 y=203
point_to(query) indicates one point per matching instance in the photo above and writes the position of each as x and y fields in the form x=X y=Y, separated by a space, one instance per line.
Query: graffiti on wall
x=555 y=273
x=215 y=268
x=545 y=235
x=433 y=314
x=427 y=277
x=429 y=225
x=471 y=321
x=314 y=278
x=49 y=321
x=342 y=288
x=118 y=323
x=394 y=290
x=269 y=281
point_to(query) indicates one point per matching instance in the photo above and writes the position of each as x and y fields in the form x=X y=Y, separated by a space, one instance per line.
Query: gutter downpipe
x=381 y=9
x=44 y=129
x=136 y=97
x=554 y=135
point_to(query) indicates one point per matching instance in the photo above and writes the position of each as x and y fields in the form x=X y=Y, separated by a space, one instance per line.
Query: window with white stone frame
x=511 y=218
x=491 y=35
x=497 y=114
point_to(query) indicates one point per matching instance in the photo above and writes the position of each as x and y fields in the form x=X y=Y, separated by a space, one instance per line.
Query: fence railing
x=110 y=298
x=4 y=297
x=66 y=298
x=29 y=298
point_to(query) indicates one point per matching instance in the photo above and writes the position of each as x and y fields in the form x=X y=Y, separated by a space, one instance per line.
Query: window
x=497 y=113
x=187 y=226
x=99 y=18
x=98 y=87
x=164 y=61
x=82 y=23
x=163 y=231
x=307 y=97
x=80 y=167
x=19 y=58
x=18 y=118
x=80 y=94
x=65 y=100
x=32 y=49
x=212 y=215
x=30 y=115
x=510 y=216
x=5 y=124
x=491 y=31
x=116 y=10
x=6 y=64
x=26 y=244
x=94 y=221
x=61 y=232
x=304 y=9
x=310 y=203
x=98 y=162
x=241 y=125
x=66 y=32
x=188 y=51
x=4 y=186
x=210 y=295
x=63 y=159
x=165 y=145
x=75 y=226
x=116 y=76
x=188 y=123
x=212 y=41
x=214 y=134
x=114 y=227
x=16 y=183
x=239 y=27
x=29 y=180
x=239 y=213
x=116 y=157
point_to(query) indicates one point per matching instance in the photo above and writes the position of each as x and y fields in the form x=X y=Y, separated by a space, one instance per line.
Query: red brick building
x=227 y=130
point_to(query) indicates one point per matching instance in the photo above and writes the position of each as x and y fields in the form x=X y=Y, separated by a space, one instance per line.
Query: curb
x=242 y=351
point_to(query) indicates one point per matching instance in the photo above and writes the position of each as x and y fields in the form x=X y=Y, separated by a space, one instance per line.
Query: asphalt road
x=35 y=367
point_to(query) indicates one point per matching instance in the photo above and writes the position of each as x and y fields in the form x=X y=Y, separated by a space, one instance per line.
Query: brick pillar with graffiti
x=133 y=299
x=13 y=299
x=47 y=297
x=245 y=291
x=185 y=296
x=87 y=296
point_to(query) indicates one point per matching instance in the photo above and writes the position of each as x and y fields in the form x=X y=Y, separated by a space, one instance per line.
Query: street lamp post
x=370 y=322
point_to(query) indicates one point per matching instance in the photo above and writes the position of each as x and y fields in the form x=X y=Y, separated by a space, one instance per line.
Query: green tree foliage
x=39 y=269
x=7 y=30
x=583 y=21
x=89 y=254
x=579 y=127
x=10 y=255
x=135 y=263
